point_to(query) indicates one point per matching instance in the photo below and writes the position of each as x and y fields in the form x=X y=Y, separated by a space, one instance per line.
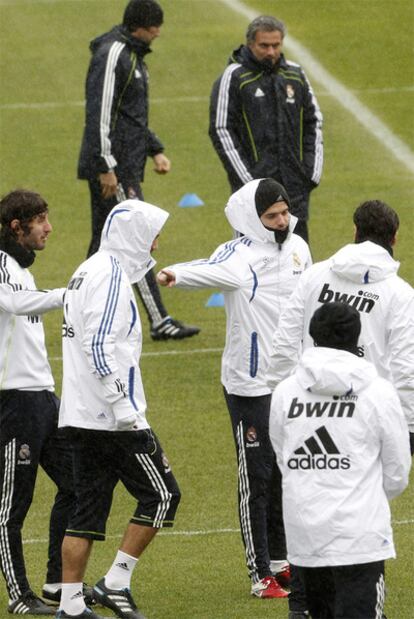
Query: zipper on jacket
x=249 y=131
x=254 y=355
x=131 y=382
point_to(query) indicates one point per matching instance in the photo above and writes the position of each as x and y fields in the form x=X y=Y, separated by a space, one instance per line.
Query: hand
x=162 y=164
x=125 y=424
x=166 y=278
x=126 y=418
x=109 y=184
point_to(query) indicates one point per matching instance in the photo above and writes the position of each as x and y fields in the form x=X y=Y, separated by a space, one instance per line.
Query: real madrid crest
x=290 y=92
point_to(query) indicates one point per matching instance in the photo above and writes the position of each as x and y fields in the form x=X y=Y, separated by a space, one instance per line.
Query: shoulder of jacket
x=231 y=69
x=293 y=65
x=299 y=242
x=402 y=287
x=380 y=385
x=112 y=47
x=292 y=69
x=8 y=263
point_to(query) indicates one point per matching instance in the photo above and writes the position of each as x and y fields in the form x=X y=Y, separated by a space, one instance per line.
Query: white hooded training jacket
x=102 y=335
x=341 y=442
x=256 y=275
x=23 y=357
x=365 y=276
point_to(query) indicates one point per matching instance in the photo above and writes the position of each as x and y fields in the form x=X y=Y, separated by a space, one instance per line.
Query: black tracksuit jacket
x=265 y=122
x=116 y=134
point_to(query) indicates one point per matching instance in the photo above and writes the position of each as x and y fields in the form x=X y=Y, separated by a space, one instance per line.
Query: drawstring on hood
x=128 y=234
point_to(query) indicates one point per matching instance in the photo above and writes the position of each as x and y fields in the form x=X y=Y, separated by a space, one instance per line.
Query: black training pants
x=29 y=437
x=259 y=484
x=345 y=591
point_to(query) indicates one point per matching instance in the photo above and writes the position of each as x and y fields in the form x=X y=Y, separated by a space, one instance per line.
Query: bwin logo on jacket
x=340 y=407
x=362 y=301
x=318 y=452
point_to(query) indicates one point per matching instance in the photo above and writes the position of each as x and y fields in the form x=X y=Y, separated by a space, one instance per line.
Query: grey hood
x=128 y=234
x=329 y=371
x=364 y=263
x=242 y=215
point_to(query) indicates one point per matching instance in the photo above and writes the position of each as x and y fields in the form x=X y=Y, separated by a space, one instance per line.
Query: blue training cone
x=216 y=300
x=190 y=199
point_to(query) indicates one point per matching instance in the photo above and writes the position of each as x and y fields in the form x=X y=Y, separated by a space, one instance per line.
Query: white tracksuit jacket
x=23 y=356
x=365 y=276
x=341 y=441
x=256 y=276
x=102 y=334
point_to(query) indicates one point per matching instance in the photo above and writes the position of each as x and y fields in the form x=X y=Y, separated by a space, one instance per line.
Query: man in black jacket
x=117 y=140
x=265 y=120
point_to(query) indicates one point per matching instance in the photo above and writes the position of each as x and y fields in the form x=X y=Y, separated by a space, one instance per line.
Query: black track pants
x=259 y=484
x=345 y=591
x=29 y=437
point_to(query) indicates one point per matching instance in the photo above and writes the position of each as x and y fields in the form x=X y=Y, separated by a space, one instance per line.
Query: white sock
x=72 y=601
x=52 y=587
x=278 y=566
x=120 y=572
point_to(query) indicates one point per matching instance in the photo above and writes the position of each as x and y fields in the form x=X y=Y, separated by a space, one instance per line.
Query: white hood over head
x=364 y=263
x=330 y=371
x=242 y=214
x=128 y=234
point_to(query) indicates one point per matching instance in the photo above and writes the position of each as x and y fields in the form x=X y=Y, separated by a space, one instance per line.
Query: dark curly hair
x=21 y=204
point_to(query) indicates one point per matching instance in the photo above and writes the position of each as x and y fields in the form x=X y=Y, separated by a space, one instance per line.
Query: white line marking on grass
x=340 y=93
x=162 y=353
x=44 y=105
x=195 y=533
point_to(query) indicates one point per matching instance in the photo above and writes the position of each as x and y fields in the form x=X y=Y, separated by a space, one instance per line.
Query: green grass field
x=197 y=571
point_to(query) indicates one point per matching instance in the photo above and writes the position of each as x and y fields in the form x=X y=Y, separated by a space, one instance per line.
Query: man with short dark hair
x=363 y=275
x=117 y=140
x=256 y=273
x=28 y=404
x=265 y=120
x=341 y=441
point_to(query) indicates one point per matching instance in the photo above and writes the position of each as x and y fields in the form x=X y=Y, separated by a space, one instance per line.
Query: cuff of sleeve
x=113 y=388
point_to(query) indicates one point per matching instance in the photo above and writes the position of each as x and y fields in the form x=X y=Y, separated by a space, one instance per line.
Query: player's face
x=39 y=230
x=276 y=217
x=147 y=34
x=267 y=46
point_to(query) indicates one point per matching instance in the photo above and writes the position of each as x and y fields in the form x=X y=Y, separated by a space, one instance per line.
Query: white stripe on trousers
x=5 y=509
x=379 y=607
x=245 y=519
x=159 y=486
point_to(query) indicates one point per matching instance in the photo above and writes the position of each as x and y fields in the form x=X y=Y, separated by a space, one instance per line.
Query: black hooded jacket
x=265 y=122
x=116 y=134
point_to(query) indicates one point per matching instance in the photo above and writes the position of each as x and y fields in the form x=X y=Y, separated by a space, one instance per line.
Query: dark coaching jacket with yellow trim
x=116 y=134
x=266 y=122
